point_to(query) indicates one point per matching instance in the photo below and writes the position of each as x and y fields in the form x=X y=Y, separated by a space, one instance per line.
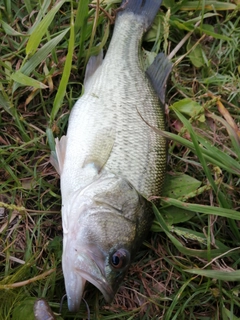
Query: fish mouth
x=75 y=277
x=101 y=284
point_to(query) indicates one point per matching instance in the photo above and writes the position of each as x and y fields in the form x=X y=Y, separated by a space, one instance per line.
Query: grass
x=188 y=267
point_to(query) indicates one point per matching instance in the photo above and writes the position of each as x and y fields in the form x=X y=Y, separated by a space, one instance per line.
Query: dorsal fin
x=158 y=72
x=58 y=156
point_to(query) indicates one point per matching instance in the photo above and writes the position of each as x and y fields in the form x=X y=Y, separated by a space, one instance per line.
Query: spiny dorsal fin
x=158 y=72
x=58 y=156
x=93 y=63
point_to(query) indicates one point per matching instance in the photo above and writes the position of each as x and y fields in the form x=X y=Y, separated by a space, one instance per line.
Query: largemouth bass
x=112 y=159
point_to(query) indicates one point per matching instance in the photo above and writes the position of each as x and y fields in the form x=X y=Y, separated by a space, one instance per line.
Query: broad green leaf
x=65 y=75
x=215 y=274
x=27 y=81
x=196 y=55
x=190 y=108
x=41 y=29
x=173 y=215
x=40 y=56
x=179 y=185
x=148 y=58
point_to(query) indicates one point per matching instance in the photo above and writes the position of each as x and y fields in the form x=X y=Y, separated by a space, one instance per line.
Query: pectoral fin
x=58 y=156
x=158 y=72
x=100 y=149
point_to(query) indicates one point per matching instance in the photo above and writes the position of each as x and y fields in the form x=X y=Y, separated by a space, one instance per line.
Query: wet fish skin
x=111 y=159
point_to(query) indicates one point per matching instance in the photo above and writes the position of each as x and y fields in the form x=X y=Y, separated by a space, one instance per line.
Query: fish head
x=103 y=226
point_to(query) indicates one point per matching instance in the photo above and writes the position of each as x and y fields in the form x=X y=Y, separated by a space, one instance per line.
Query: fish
x=112 y=159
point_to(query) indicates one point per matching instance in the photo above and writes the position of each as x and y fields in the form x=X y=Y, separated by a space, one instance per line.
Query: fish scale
x=112 y=158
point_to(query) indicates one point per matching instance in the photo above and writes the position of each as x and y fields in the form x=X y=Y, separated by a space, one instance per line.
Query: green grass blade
x=220 y=158
x=81 y=17
x=43 y=8
x=4 y=102
x=10 y=31
x=170 y=312
x=27 y=81
x=209 y=5
x=217 y=274
x=66 y=73
x=50 y=138
x=228 y=315
x=218 y=211
x=211 y=153
x=221 y=197
x=40 y=56
x=207 y=29
x=187 y=251
x=41 y=29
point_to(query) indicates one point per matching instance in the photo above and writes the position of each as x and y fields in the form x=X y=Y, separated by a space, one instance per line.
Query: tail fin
x=146 y=8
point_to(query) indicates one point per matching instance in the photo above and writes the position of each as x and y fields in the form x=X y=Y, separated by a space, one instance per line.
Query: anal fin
x=158 y=73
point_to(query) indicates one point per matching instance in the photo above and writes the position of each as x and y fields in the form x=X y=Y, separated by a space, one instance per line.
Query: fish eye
x=120 y=259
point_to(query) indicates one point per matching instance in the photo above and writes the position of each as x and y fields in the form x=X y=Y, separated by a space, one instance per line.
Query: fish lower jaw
x=75 y=293
x=101 y=284
x=74 y=285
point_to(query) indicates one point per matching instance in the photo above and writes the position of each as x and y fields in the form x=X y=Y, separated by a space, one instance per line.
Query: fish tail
x=147 y=9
